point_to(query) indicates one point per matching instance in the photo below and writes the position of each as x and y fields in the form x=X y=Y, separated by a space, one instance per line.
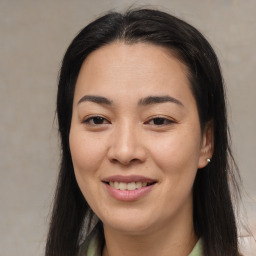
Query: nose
x=126 y=146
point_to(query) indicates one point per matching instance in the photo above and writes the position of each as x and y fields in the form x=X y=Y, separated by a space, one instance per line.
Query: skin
x=130 y=139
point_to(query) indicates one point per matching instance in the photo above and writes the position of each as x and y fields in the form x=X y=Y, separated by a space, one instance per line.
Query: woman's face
x=135 y=137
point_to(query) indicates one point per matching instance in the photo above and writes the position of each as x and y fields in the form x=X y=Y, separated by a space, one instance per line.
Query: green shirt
x=92 y=246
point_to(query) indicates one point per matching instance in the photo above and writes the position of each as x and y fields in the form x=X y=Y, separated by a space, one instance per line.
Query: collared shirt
x=92 y=246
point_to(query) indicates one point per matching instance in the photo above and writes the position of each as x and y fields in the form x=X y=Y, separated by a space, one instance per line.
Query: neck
x=176 y=239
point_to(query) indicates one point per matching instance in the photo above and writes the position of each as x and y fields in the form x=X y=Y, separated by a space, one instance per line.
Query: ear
x=207 y=145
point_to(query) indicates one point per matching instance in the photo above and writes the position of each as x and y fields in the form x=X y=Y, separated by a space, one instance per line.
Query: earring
x=208 y=160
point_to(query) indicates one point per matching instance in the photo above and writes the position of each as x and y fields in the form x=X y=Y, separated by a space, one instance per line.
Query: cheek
x=85 y=152
x=177 y=158
x=178 y=152
x=86 y=157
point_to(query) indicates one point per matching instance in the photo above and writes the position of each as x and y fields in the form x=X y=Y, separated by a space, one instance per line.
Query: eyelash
x=161 y=121
x=94 y=118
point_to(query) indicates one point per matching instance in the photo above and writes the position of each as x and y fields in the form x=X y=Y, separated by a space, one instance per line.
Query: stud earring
x=208 y=160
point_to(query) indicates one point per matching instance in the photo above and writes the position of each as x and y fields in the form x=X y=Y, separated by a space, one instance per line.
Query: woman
x=145 y=148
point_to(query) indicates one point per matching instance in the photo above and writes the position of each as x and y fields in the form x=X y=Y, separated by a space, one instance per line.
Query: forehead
x=132 y=69
x=135 y=57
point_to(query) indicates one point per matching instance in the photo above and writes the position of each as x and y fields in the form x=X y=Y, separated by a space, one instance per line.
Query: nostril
x=123 y=161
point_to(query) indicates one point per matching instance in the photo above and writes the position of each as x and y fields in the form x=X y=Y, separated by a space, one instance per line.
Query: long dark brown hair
x=214 y=218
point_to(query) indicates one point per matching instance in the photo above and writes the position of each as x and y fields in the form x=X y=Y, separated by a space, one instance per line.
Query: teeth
x=122 y=186
x=131 y=186
x=127 y=186
x=140 y=185
x=116 y=185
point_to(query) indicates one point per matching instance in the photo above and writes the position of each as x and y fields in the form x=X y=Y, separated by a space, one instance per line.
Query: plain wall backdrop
x=33 y=38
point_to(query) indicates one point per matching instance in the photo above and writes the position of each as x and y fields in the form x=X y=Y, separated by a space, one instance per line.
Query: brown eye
x=96 y=120
x=160 y=121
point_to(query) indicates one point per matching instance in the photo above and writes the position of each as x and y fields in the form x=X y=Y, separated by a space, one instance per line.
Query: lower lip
x=129 y=195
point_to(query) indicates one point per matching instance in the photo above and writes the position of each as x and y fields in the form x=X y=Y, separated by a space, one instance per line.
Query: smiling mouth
x=129 y=186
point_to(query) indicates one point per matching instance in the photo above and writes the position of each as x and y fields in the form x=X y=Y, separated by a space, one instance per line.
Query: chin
x=131 y=224
x=129 y=228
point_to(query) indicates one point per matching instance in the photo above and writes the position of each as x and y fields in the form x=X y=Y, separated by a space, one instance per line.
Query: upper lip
x=129 y=178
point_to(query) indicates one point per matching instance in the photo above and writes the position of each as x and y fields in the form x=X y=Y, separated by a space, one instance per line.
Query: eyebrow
x=95 y=99
x=158 y=99
x=142 y=102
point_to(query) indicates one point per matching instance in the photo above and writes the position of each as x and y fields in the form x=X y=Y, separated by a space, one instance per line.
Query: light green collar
x=198 y=249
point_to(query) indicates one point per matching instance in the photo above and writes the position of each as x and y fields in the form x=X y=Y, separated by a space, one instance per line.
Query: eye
x=96 y=120
x=159 y=121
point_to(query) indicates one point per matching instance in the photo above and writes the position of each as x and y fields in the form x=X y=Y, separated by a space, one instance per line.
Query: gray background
x=33 y=38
